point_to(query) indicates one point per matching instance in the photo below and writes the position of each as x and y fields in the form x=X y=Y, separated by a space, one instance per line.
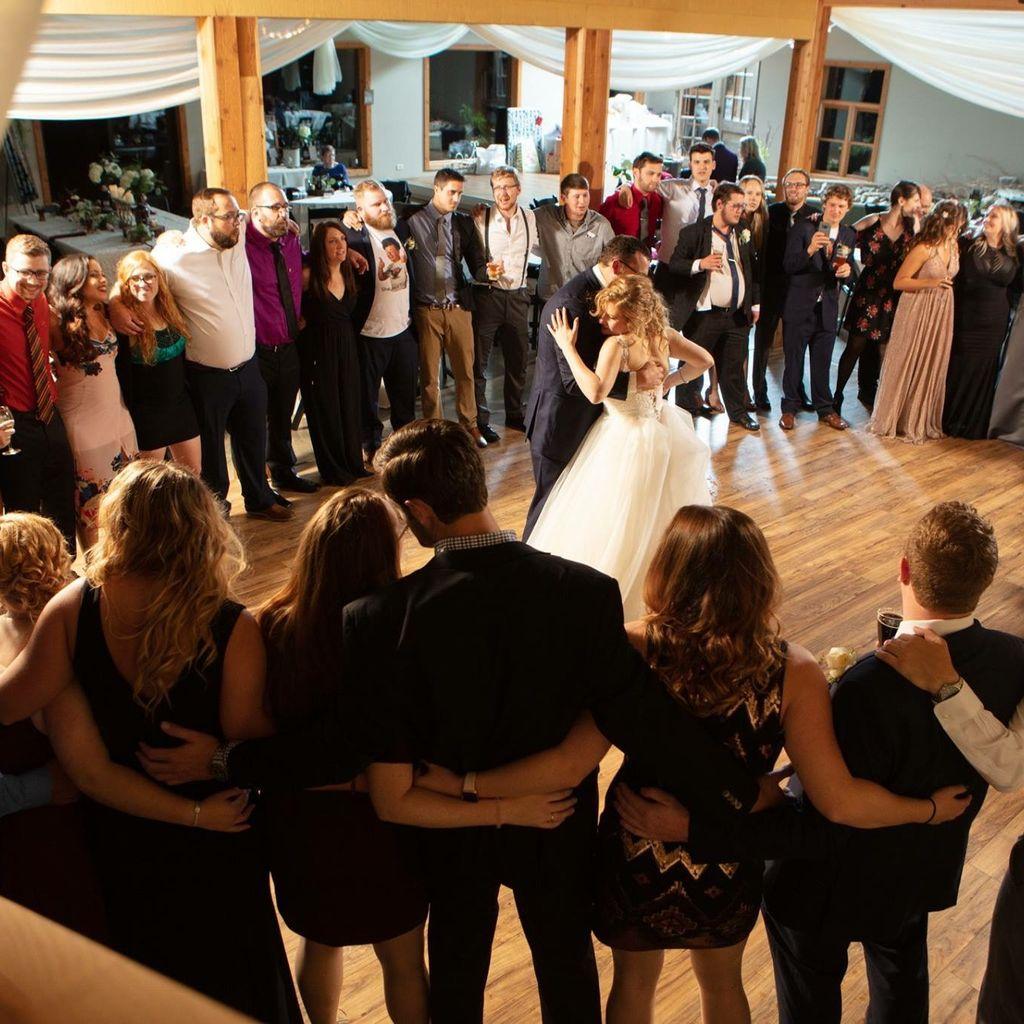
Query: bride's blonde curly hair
x=632 y=298
x=158 y=520
x=34 y=564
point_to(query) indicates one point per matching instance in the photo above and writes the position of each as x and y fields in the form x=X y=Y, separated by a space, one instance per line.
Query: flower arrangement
x=90 y=215
x=623 y=172
x=127 y=184
x=289 y=137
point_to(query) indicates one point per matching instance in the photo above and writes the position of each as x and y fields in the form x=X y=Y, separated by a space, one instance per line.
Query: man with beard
x=388 y=349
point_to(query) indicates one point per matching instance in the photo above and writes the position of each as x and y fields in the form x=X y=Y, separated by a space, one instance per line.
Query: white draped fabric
x=977 y=55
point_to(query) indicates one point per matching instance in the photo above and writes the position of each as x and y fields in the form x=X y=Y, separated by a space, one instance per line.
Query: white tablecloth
x=289 y=177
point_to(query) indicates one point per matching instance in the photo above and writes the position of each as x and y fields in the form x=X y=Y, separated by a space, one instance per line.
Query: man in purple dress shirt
x=275 y=260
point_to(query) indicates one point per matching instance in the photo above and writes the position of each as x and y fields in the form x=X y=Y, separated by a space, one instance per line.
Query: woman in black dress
x=989 y=268
x=884 y=242
x=329 y=358
x=151 y=365
x=750 y=155
x=1007 y=423
x=341 y=876
x=156 y=639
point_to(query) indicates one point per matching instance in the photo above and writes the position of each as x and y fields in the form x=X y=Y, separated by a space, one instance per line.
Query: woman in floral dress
x=99 y=427
x=884 y=242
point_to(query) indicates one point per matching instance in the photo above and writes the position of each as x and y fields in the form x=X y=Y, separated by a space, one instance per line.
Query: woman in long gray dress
x=1007 y=422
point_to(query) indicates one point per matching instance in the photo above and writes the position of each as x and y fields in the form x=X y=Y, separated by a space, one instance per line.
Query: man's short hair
x=573 y=181
x=504 y=172
x=255 y=191
x=365 y=185
x=843 y=192
x=701 y=147
x=796 y=170
x=204 y=202
x=952 y=554
x=723 y=192
x=622 y=248
x=447 y=174
x=437 y=462
x=645 y=158
x=711 y=135
x=26 y=245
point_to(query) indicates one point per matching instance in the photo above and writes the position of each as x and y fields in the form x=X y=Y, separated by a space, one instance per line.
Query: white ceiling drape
x=976 y=55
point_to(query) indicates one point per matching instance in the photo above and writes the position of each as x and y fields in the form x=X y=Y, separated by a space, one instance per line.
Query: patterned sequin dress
x=650 y=894
x=873 y=303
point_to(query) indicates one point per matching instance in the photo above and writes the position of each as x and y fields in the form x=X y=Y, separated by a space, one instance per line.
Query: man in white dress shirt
x=501 y=307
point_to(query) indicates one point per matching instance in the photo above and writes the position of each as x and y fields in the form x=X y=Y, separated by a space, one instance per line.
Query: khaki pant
x=451 y=329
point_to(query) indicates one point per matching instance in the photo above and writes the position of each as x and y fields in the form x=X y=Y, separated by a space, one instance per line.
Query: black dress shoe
x=280 y=499
x=295 y=483
x=761 y=404
x=747 y=422
x=514 y=424
x=490 y=435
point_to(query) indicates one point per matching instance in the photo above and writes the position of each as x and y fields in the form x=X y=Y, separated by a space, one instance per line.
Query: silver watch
x=949 y=690
x=219 y=761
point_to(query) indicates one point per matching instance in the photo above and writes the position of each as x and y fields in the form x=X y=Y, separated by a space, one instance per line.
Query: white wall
x=196 y=153
x=927 y=134
x=541 y=90
x=397 y=119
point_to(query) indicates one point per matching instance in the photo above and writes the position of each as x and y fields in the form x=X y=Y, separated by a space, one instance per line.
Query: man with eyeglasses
x=40 y=477
x=275 y=261
x=211 y=282
x=782 y=215
x=716 y=297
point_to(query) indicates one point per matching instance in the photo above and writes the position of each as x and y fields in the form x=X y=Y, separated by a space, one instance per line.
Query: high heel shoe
x=716 y=405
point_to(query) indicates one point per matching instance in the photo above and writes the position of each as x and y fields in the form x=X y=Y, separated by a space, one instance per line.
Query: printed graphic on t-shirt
x=391 y=273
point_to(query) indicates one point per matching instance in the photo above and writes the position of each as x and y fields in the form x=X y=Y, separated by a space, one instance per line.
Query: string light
x=297 y=31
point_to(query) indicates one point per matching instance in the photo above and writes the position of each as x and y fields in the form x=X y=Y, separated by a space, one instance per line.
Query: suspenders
x=487 y=240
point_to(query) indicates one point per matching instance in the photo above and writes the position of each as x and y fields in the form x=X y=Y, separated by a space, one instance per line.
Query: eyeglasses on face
x=33 y=275
x=797 y=184
x=235 y=216
x=146 y=278
x=275 y=207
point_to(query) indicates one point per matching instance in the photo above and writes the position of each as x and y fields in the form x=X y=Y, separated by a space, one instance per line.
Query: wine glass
x=7 y=424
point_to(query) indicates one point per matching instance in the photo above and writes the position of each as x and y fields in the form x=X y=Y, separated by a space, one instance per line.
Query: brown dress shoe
x=835 y=421
x=275 y=513
x=481 y=441
x=787 y=421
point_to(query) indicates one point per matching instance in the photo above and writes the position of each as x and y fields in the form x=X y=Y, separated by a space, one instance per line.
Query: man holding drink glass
x=817 y=259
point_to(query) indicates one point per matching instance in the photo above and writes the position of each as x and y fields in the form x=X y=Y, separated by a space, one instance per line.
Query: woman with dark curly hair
x=99 y=427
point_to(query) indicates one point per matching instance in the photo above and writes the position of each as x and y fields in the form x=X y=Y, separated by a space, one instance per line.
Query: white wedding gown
x=639 y=463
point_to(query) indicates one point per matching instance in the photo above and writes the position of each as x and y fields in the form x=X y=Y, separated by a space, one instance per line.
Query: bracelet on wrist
x=935 y=810
x=219 y=761
x=196 y=808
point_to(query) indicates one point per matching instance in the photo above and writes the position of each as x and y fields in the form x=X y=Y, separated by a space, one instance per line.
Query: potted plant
x=292 y=140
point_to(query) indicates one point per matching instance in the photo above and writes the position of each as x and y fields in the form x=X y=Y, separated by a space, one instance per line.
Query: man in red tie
x=642 y=218
x=40 y=477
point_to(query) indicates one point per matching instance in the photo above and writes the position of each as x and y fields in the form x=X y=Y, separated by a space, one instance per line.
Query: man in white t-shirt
x=388 y=349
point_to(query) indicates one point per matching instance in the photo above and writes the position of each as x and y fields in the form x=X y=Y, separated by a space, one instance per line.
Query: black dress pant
x=396 y=361
x=803 y=331
x=550 y=877
x=810 y=966
x=726 y=336
x=232 y=402
x=279 y=368
x=1002 y=990
x=545 y=473
x=501 y=314
x=41 y=477
x=764 y=336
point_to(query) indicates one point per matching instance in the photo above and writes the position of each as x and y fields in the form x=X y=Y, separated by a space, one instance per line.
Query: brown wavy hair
x=34 y=564
x=946 y=220
x=67 y=279
x=712 y=590
x=163 y=305
x=347 y=550
x=643 y=309
x=319 y=271
x=158 y=520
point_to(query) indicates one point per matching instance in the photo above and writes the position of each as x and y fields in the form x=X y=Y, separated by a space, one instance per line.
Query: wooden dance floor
x=835 y=508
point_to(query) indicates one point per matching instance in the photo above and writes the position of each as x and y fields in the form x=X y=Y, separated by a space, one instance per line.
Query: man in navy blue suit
x=818 y=254
x=558 y=414
x=727 y=163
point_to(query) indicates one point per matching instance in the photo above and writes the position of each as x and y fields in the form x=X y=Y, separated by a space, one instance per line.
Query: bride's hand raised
x=564 y=333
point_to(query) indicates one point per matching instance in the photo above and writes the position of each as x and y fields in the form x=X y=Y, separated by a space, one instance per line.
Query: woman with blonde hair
x=99 y=428
x=750 y=154
x=151 y=364
x=989 y=269
x=153 y=633
x=641 y=459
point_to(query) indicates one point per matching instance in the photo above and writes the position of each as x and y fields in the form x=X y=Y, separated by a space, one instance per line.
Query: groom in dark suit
x=818 y=257
x=558 y=414
x=712 y=291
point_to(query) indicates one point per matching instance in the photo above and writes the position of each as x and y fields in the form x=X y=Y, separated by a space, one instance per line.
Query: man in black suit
x=727 y=163
x=781 y=217
x=388 y=349
x=712 y=289
x=818 y=255
x=558 y=414
x=878 y=886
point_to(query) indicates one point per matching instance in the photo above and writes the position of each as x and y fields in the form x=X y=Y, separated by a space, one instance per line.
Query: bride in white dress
x=641 y=460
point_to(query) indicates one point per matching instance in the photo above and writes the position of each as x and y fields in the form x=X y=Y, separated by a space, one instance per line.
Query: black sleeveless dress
x=650 y=894
x=192 y=904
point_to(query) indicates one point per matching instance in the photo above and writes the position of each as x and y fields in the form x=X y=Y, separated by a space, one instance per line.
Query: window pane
x=859 y=162
x=865 y=126
x=829 y=155
x=833 y=123
x=469 y=95
x=856 y=85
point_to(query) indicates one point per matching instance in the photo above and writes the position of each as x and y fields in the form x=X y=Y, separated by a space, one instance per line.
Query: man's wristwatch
x=469 y=788
x=219 y=761
x=948 y=690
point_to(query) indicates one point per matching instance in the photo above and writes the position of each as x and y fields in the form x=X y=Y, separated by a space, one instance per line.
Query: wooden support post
x=231 y=98
x=585 y=105
x=804 y=98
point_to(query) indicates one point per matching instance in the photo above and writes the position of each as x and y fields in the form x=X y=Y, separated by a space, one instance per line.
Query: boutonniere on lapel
x=410 y=243
x=745 y=236
x=814 y=218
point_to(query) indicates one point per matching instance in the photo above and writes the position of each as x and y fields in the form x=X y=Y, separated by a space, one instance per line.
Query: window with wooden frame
x=850 y=120
x=467 y=91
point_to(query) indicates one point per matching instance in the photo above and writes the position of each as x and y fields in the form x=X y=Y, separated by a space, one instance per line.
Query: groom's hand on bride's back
x=652 y=814
x=650 y=376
